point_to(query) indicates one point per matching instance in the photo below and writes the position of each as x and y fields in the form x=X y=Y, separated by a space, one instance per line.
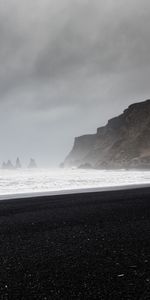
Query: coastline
x=73 y=191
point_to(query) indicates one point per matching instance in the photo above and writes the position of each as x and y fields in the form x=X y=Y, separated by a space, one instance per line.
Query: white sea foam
x=49 y=180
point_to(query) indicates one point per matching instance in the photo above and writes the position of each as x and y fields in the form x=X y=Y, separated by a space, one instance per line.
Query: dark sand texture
x=83 y=246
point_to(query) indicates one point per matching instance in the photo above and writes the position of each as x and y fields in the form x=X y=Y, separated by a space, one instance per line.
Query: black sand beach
x=83 y=246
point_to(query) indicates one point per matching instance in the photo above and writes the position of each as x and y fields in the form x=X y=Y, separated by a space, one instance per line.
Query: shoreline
x=75 y=191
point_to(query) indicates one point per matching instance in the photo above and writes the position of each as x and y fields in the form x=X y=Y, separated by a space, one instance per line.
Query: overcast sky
x=66 y=67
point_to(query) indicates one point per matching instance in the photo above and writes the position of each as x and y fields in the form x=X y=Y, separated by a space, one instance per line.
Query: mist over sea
x=49 y=180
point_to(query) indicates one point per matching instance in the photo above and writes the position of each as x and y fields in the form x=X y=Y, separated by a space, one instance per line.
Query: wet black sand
x=83 y=246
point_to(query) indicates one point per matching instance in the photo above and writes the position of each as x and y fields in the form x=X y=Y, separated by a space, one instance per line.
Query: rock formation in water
x=123 y=143
x=9 y=165
x=32 y=164
x=3 y=165
x=18 y=163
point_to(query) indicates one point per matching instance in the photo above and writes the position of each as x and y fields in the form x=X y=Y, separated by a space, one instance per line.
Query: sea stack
x=32 y=164
x=9 y=165
x=3 y=165
x=18 y=164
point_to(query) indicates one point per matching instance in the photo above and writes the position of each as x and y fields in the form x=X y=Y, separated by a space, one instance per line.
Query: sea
x=28 y=181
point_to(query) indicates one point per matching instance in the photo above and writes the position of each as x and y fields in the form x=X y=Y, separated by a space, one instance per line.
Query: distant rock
x=32 y=164
x=18 y=164
x=9 y=165
x=3 y=165
x=123 y=143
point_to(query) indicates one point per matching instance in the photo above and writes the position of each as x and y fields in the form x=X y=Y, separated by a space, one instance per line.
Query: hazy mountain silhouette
x=123 y=143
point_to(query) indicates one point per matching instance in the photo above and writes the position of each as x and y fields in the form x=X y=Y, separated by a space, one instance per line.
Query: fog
x=66 y=68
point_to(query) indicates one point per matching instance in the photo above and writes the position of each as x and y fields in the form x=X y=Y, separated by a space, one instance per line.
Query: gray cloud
x=66 y=67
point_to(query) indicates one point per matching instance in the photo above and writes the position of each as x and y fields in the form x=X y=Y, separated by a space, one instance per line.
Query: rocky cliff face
x=82 y=146
x=123 y=143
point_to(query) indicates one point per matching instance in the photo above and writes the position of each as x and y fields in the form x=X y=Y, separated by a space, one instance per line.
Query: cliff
x=123 y=143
